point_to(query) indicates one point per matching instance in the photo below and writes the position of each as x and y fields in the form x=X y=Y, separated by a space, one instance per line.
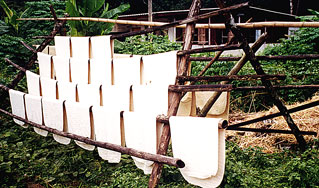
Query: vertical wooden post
x=175 y=97
x=150 y=10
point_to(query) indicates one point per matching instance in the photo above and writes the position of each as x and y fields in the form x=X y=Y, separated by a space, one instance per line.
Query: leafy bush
x=93 y=8
x=253 y=168
x=146 y=45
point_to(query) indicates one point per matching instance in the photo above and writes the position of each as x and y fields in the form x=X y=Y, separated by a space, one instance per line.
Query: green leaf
x=89 y=7
x=6 y=9
x=113 y=12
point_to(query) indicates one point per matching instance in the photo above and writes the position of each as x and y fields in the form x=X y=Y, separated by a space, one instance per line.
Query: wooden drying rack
x=177 y=91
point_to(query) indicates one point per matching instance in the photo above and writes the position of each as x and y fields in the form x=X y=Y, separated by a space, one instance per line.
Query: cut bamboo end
x=223 y=124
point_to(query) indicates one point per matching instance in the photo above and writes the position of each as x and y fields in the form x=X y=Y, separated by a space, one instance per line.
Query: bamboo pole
x=218 y=88
x=130 y=151
x=272 y=131
x=276 y=87
x=251 y=25
x=209 y=49
x=218 y=78
x=208 y=87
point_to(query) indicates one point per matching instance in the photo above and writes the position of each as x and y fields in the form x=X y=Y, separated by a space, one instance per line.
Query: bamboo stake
x=251 y=25
x=174 y=98
x=130 y=151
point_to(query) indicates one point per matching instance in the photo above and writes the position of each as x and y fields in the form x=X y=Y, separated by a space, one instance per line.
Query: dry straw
x=306 y=120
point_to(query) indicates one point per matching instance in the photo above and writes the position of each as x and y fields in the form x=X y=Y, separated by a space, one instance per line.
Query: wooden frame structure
x=177 y=91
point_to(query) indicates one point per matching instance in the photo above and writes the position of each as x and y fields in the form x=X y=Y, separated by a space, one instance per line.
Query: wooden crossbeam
x=218 y=78
x=277 y=57
x=210 y=49
x=271 y=131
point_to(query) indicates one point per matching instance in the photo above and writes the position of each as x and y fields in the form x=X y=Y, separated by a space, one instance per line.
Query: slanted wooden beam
x=174 y=97
x=15 y=65
x=259 y=70
x=28 y=47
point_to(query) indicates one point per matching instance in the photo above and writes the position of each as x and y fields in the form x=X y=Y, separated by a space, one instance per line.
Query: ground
x=306 y=120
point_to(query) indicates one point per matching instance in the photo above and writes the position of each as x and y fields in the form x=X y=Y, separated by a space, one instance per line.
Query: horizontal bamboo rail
x=130 y=151
x=229 y=87
x=203 y=26
x=218 y=78
x=209 y=49
x=190 y=88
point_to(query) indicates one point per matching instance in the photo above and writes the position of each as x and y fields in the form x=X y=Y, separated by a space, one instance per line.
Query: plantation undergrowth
x=28 y=160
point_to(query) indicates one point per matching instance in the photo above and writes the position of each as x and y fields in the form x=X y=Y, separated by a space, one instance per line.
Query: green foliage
x=89 y=8
x=302 y=72
x=11 y=18
x=40 y=9
x=305 y=41
x=146 y=45
x=27 y=158
x=253 y=168
x=10 y=41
